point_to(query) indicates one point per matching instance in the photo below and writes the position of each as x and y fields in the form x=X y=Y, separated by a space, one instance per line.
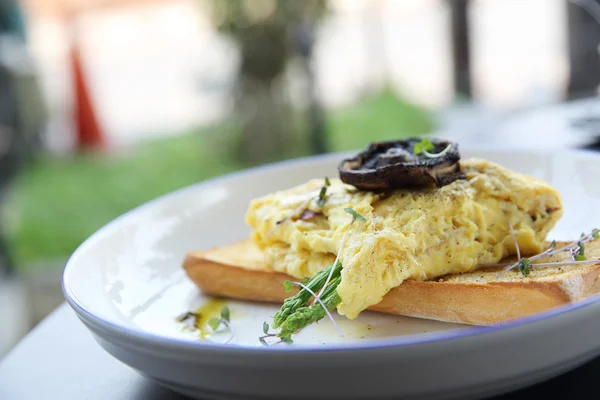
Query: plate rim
x=154 y=340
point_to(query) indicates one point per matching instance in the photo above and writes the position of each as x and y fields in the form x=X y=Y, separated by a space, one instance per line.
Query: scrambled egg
x=409 y=233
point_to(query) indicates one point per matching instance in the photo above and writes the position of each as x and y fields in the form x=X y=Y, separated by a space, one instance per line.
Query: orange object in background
x=87 y=128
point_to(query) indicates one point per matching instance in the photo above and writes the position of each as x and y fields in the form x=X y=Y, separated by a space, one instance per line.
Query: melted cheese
x=408 y=234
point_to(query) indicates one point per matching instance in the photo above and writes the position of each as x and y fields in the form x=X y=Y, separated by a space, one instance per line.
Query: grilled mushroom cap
x=393 y=164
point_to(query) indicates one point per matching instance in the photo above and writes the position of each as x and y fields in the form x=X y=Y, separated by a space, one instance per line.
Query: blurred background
x=106 y=104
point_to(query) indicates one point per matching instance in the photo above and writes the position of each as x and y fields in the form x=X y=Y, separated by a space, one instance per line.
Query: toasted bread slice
x=477 y=298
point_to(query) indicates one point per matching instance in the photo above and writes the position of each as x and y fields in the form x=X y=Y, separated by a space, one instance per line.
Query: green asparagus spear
x=300 y=299
x=307 y=315
x=295 y=313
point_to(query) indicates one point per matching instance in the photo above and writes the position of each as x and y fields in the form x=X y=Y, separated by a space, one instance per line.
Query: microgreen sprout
x=424 y=145
x=224 y=319
x=514 y=237
x=523 y=265
x=355 y=216
x=576 y=249
x=263 y=339
x=323 y=193
x=322 y=199
x=564 y=263
x=440 y=154
x=288 y=285
x=580 y=252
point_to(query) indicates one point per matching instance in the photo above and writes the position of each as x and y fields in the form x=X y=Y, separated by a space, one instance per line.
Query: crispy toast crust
x=238 y=271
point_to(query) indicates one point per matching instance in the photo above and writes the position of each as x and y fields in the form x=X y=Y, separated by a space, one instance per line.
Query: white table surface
x=60 y=360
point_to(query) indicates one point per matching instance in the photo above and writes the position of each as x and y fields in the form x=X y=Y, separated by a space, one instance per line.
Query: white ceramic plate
x=126 y=284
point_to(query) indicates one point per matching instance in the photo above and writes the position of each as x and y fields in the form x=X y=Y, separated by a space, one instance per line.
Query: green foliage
x=424 y=144
x=235 y=16
x=57 y=203
x=384 y=116
x=354 y=214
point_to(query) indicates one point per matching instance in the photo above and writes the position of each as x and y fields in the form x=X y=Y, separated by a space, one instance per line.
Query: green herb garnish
x=262 y=339
x=214 y=323
x=224 y=319
x=322 y=199
x=288 y=285
x=581 y=251
x=323 y=193
x=355 y=215
x=424 y=145
x=225 y=313
x=576 y=249
x=523 y=266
